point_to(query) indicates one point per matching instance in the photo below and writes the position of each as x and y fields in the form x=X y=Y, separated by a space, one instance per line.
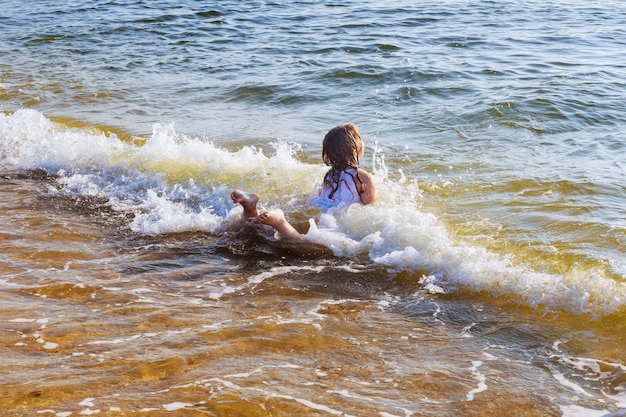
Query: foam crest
x=159 y=215
x=172 y=183
x=30 y=141
x=403 y=239
x=182 y=156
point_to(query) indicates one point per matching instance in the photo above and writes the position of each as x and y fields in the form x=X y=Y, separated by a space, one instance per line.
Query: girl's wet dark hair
x=340 y=150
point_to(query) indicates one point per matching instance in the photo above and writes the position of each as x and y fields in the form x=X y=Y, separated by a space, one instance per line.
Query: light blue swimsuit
x=345 y=195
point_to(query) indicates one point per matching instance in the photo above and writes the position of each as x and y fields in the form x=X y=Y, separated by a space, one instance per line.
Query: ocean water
x=489 y=278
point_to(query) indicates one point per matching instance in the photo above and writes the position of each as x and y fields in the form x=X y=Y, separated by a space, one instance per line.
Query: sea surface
x=489 y=279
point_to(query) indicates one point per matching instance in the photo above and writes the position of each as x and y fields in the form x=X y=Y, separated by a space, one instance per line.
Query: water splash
x=174 y=183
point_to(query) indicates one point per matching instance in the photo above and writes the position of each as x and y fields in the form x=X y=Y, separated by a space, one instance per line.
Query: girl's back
x=342 y=193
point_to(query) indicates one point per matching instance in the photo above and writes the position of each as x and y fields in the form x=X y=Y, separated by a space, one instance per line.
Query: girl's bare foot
x=276 y=219
x=248 y=202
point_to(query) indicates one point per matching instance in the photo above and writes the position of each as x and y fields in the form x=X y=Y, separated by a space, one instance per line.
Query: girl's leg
x=276 y=219
x=248 y=202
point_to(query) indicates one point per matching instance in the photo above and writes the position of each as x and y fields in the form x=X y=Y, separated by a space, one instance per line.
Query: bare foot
x=248 y=202
x=276 y=219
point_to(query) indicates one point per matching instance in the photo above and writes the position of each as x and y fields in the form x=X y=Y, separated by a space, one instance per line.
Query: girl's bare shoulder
x=366 y=176
x=368 y=195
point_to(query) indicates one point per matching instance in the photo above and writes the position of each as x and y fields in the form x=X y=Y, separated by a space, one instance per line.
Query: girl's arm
x=368 y=191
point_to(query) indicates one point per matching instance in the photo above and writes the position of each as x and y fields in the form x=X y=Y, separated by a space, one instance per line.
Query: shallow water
x=489 y=276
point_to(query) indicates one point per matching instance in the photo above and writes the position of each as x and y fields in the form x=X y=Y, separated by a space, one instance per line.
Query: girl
x=344 y=183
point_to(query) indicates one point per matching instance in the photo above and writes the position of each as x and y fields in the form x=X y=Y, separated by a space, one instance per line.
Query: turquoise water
x=492 y=265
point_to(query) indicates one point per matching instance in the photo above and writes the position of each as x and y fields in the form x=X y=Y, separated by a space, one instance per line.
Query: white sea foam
x=259 y=278
x=478 y=376
x=312 y=405
x=57 y=413
x=175 y=183
x=176 y=406
x=159 y=215
x=571 y=385
x=577 y=411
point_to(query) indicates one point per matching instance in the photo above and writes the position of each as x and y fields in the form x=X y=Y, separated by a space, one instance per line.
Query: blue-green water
x=490 y=275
